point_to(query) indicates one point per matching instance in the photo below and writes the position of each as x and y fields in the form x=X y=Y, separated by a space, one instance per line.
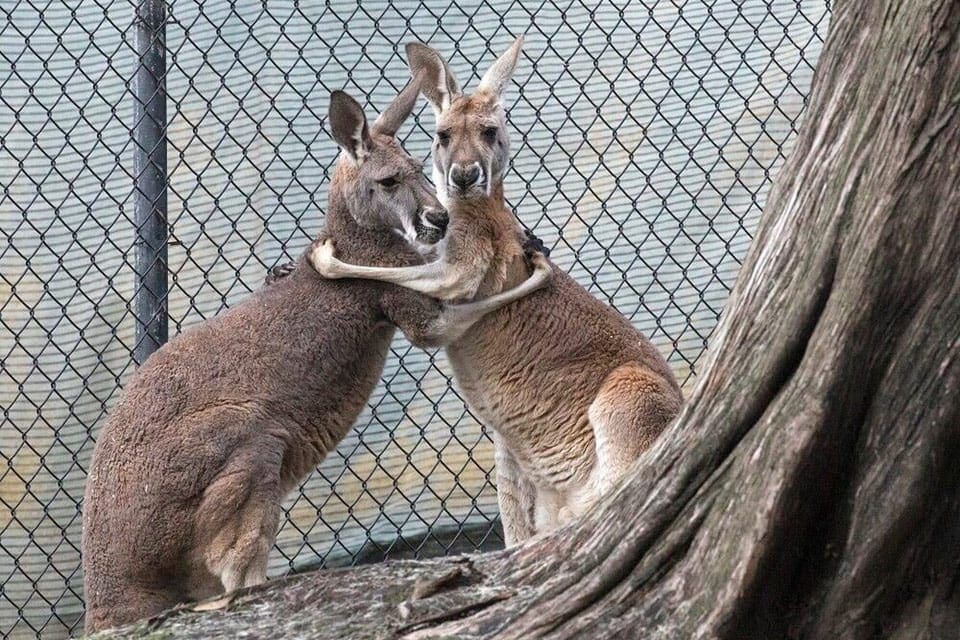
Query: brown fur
x=222 y=422
x=185 y=487
x=572 y=390
x=555 y=372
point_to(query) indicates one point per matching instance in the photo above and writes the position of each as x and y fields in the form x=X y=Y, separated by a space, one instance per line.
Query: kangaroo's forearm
x=439 y=279
x=442 y=325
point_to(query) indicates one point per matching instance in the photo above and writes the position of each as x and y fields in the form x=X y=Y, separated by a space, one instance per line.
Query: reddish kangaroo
x=573 y=392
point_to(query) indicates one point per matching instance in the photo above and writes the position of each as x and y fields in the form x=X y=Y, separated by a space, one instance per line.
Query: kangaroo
x=572 y=391
x=184 y=495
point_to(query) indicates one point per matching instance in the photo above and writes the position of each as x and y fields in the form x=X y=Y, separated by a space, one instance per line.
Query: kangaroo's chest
x=543 y=423
x=328 y=401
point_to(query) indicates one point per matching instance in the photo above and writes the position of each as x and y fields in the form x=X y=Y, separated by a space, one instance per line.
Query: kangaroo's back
x=212 y=432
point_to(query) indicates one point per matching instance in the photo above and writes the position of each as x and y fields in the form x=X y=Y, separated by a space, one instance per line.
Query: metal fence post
x=150 y=178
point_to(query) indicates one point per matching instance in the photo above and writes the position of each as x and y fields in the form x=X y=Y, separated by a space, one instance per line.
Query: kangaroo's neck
x=490 y=218
x=362 y=245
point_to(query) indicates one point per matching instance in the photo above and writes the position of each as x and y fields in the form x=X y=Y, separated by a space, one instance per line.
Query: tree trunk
x=811 y=487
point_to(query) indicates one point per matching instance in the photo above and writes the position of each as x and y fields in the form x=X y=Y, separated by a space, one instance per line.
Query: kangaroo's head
x=382 y=186
x=471 y=149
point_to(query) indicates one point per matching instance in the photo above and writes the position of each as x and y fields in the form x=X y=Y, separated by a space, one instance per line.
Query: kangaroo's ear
x=497 y=76
x=349 y=126
x=399 y=110
x=438 y=84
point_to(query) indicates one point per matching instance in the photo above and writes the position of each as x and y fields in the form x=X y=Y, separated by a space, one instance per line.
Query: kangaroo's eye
x=490 y=134
x=389 y=182
x=443 y=138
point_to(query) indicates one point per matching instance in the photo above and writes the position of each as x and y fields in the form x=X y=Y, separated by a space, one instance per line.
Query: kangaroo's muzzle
x=431 y=225
x=464 y=179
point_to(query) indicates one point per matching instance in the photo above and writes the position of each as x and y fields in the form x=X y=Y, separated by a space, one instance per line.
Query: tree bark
x=811 y=487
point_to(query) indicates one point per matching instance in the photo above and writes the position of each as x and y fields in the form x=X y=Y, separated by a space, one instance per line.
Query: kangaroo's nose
x=464 y=178
x=438 y=218
x=431 y=224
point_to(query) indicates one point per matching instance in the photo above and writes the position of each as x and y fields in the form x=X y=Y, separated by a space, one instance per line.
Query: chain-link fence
x=645 y=133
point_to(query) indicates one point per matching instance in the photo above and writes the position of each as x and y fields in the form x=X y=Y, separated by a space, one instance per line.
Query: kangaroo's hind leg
x=629 y=412
x=241 y=509
x=132 y=603
x=516 y=496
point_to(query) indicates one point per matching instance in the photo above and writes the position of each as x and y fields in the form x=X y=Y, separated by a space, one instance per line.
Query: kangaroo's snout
x=464 y=178
x=432 y=224
x=437 y=217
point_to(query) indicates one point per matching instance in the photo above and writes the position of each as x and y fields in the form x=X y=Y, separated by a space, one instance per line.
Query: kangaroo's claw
x=278 y=272
x=533 y=244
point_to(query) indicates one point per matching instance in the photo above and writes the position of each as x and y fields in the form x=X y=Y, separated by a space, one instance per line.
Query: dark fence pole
x=150 y=178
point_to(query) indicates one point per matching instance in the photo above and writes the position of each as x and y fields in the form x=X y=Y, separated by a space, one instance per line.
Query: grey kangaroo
x=573 y=392
x=184 y=494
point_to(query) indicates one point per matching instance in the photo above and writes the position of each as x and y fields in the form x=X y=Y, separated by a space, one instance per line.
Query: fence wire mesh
x=645 y=134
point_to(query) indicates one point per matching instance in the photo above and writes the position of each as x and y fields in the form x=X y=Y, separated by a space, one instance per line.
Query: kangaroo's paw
x=323 y=260
x=532 y=244
x=278 y=272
